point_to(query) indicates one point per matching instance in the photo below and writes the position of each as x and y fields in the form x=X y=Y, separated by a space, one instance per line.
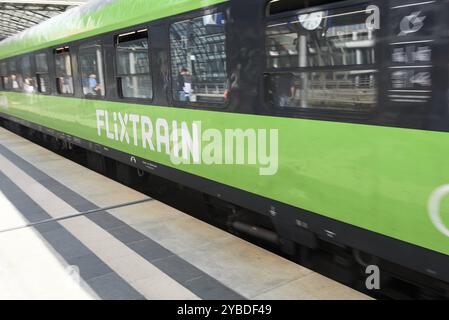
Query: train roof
x=93 y=18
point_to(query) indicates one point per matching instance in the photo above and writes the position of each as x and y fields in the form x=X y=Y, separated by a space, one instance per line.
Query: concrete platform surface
x=145 y=251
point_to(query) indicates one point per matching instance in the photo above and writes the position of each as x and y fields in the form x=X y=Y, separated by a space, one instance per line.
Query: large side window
x=322 y=60
x=14 y=77
x=64 y=77
x=42 y=73
x=29 y=80
x=133 y=65
x=3 y=75
x=198 y=59
x=92 y=70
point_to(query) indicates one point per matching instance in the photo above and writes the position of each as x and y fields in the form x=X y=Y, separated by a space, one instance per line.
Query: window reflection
x=331 y=58
x=64 y=77
x=14 y=81
x=344 y=90
x=92 y=73
x=198 y=55
x=341 y=39
x=133 y=65
x=29 y=80
x=4 y=76
x=42 y=74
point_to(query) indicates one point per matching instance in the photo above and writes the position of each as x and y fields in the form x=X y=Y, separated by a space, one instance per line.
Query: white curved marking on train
x=434 y=209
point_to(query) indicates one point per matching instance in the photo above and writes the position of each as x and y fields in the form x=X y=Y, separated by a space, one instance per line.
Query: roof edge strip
x=94 y=18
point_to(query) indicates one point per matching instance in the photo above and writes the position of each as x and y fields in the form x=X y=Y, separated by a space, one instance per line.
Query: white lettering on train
x=186 y=143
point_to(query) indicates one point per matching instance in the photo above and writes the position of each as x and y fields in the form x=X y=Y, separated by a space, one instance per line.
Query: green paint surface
x=93 y=18
x=376 y=178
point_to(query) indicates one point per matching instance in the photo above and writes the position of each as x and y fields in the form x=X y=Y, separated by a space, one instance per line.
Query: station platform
x=135 y=251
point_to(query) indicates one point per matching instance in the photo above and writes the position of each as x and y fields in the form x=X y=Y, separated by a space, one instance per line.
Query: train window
x=14 y=77
x=29 y=80
x=323 y=60
x=3 y=75
x=198 y=57
x=42 y=73
x=343 y=90
x=92 y=70
x=64 y=77
x=133 y=65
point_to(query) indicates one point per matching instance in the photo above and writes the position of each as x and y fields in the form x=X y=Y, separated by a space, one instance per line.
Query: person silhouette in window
x=28 y=85
x=15 y=83
x=94 y=86
x=184 y=85
x=285 y=90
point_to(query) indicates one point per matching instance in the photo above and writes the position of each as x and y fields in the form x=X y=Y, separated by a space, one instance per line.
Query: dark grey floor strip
x=197 y=281
x=92 y=270
x=75 y=215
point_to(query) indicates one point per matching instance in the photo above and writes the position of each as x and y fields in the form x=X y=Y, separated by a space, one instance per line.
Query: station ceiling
x=18 y=15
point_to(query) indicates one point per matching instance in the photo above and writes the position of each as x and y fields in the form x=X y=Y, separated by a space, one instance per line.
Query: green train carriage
x=355 y=93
